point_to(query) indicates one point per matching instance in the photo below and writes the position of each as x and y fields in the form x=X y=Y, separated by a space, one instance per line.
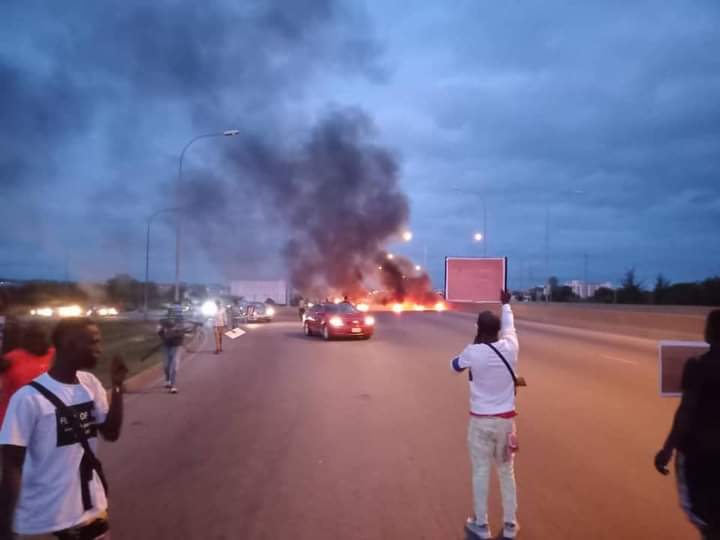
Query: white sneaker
x=480 y=530
x=173 y=390
x=510 y=530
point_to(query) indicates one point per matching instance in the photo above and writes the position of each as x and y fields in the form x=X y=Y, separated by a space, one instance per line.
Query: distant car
x=338 y=320
x=101 y=311
x=259 y=312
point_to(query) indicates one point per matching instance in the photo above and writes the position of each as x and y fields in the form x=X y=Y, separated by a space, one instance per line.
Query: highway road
x=284 y=436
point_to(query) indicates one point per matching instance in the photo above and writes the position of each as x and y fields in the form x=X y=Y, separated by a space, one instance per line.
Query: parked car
x=338 y=320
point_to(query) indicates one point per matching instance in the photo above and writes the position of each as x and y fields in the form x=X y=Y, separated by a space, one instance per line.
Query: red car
x=338 y=320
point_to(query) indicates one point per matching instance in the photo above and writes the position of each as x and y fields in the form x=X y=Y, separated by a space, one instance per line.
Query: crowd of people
x=52 y=409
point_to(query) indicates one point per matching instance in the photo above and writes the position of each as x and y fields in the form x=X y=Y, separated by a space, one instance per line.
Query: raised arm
x=507 y=323
x=110 y=429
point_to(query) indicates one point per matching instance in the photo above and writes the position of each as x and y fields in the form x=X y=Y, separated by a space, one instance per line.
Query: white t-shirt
x=50 y=494
x=492 y=390
x=221 y=317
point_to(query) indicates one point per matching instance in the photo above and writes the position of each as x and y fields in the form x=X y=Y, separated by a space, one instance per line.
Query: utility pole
x=586 y=278
x=547 y=251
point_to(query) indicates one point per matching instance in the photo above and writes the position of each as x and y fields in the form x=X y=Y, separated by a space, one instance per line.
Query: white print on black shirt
x=85 y=412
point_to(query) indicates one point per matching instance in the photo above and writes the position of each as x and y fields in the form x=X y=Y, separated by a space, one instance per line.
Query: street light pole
x=226 y=133
x=147 y=257
x=484 y=203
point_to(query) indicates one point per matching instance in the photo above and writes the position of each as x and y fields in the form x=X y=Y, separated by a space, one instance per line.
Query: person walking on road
x=695 y=437
x=492 y=361
x=219 y=324
x=172 y=332
x=21 y=365
x=53 y=485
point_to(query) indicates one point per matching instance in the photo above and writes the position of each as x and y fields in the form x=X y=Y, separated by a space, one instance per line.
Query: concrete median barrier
x=650 y=322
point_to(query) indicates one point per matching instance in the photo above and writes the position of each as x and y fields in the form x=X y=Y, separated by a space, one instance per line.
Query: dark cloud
x=335 y=191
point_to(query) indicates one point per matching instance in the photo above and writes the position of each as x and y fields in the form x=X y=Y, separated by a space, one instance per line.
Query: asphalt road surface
x=284 y=437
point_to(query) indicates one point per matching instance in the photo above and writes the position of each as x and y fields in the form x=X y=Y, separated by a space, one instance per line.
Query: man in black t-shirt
x=695 y=437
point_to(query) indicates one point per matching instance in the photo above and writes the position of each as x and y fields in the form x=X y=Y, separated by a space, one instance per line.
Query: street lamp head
x=231 y=132
x=477 y=237
x=407 y=236
x=418 y=267
x=390 y=256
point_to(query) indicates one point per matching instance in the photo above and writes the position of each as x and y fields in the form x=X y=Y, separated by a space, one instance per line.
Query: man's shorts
x=698 y=479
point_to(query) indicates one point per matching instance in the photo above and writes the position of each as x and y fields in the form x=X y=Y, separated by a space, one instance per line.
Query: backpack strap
x=507 y=364
x=89 y=462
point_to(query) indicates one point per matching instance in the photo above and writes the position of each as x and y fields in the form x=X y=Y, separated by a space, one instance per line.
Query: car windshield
x=340 y=308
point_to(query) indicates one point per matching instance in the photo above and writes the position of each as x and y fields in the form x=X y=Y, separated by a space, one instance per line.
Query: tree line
x=633 y=291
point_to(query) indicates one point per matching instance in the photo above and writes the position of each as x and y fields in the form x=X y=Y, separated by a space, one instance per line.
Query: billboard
x=475 y=279
x=672 y=356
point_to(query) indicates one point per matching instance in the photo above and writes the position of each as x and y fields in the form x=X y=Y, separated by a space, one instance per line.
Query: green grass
x=132 y=340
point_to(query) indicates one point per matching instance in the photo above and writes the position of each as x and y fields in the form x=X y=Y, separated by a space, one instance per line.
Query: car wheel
x=326 y=334
x=306 y=330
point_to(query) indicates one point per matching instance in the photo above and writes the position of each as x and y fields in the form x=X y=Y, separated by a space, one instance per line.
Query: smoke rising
x=110 y=92
x=338 y=194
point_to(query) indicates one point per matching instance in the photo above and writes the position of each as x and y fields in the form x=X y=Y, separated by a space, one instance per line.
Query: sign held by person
x=672 y=356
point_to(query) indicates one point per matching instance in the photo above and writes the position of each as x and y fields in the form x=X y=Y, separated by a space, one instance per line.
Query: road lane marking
x=618 y=359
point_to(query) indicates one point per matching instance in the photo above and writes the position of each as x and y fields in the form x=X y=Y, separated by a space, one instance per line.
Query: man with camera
x=491 y=361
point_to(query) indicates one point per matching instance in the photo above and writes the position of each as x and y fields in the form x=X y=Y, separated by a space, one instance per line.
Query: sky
x=588 y=134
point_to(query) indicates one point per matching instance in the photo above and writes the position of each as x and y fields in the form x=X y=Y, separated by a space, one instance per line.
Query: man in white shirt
x=219 y=324
x=492 y=361
x=52 y=482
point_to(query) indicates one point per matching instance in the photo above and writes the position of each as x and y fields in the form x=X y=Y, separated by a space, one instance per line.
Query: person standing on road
x=219 y=324
x=20 y=366
x=172 y=333
x=52 y=484
x=492 y=360
x=695 y=437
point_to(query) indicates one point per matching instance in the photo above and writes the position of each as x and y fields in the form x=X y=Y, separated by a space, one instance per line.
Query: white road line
x=618 y=359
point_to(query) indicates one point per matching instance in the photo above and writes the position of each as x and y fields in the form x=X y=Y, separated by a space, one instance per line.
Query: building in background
x=586 y=290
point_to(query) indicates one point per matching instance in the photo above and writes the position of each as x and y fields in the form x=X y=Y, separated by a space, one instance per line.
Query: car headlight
x=209 y=309
x=112 y=311
x=103 y=312
x=369 y=320
x=269 y=312
x=336 y=322
x=70 y=311
x=45 y=312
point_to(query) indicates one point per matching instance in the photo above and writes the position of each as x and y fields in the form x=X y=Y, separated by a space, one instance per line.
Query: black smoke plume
x=338 y=195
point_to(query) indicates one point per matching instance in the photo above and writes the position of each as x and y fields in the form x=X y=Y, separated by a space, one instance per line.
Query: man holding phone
x=53 y=485
x=491 y=361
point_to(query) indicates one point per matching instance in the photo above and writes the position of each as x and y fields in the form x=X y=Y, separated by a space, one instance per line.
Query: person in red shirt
x=21 y=365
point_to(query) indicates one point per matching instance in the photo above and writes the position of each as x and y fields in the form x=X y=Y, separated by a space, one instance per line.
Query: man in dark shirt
x=171 y=331
x=695 y=437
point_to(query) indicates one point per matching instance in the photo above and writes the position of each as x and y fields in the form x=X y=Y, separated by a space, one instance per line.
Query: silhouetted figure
x=695 y=437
